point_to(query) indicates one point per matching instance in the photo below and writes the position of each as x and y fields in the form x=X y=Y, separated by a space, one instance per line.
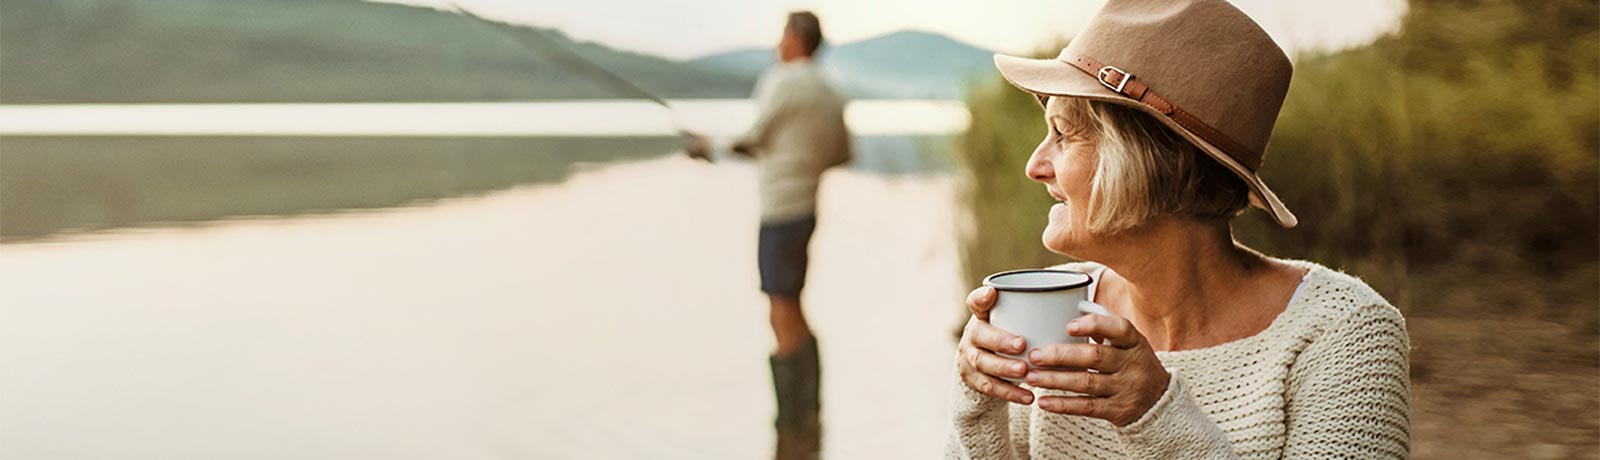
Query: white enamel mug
x=1038 y=304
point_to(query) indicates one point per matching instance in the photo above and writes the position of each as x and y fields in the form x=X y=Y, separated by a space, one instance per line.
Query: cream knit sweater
x=1329 y=378
x=799 y=133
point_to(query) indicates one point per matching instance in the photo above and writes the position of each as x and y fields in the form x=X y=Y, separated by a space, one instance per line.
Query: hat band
x=1124 y=83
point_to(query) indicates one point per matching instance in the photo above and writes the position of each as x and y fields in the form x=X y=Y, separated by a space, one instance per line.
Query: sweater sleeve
x=1349 y=392
x=1175 y=427
x=1348 y=398
x=775 y=99
x=984 y=426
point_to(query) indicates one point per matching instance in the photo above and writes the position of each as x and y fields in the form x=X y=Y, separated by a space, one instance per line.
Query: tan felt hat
x=1201 y=67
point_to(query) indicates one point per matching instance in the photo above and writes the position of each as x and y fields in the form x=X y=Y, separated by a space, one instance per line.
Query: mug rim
x=1001 y=286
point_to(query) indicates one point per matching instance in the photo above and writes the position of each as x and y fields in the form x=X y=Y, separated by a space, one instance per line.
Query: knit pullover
x=1329 y=378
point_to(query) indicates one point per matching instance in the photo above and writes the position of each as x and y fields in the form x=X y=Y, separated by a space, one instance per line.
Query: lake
x=432 y=296
x=89 y=167
x=717 y=117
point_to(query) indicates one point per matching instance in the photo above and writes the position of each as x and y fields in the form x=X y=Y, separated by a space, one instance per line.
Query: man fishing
x=798 y=133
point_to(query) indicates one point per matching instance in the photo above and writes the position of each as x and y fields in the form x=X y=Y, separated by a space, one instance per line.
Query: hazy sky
x=690 y=29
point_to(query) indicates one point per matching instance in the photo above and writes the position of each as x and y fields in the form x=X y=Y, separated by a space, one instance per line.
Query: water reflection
x=50 y=185
x=614 y=315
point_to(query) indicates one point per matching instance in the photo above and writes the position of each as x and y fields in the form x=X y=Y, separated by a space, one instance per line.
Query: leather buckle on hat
x=1107 y=70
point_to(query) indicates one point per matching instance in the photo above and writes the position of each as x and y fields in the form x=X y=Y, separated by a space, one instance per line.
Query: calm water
x=352 y=297
x=716 y=117
x=89 y=167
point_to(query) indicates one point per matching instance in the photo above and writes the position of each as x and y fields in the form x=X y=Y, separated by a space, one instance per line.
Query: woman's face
x=1065 y=163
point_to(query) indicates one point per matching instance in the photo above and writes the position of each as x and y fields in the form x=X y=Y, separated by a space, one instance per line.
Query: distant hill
x=747 y=60
x=303 y=51
x=906 y=64
x=189 y=51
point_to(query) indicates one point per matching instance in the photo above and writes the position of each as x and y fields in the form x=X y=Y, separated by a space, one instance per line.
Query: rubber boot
x=797 y=381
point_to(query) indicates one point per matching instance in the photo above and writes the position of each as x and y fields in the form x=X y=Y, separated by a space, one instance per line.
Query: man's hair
x=1146 y=170
x=805 y=27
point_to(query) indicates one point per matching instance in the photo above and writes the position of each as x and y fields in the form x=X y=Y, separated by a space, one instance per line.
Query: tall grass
x=1002 y=212
x=1452 y=164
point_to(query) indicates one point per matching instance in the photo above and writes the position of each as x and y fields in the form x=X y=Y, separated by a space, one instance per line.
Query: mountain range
x=204 y=51
x=905 y=64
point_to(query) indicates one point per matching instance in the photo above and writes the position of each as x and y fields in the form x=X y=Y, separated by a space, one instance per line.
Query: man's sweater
x=799 y=132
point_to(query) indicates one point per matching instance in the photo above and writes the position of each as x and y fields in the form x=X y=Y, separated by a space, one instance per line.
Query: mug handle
x=1092 y=308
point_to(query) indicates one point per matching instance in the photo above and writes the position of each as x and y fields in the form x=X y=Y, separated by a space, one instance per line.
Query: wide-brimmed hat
x=1202 y=67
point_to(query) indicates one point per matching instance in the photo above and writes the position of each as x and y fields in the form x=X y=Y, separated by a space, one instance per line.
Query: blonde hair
x=1145 y=170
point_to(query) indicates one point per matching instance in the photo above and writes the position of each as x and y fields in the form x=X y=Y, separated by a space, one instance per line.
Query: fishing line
x=576 y=61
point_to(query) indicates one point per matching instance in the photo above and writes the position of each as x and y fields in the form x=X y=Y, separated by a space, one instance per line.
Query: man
x=798 y=134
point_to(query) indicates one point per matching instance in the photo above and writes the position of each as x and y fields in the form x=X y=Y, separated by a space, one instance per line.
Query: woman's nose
x=1039 y=167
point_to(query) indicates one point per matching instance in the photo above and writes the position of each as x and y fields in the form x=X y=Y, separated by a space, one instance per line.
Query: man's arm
x=775 y=101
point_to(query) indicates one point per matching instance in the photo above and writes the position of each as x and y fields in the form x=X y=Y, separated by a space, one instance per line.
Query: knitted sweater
x=799 y=133
x=1329 y=378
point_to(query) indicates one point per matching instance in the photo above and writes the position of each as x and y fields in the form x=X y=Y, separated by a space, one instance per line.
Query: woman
x=1158 y=113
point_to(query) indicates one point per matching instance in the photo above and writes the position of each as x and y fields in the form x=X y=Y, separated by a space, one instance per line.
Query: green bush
x=1002 y=212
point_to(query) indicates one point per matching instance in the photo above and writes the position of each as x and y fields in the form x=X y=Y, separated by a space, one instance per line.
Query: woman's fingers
x=992 y=386
x=983 y=340
x=1081 y=382
x=1086 y=406
x=1116 y=331
x=980 y=342
x=1102 y=358
x=1130 y=378
x=993 y=364
x=991 y=338
x=980 y=301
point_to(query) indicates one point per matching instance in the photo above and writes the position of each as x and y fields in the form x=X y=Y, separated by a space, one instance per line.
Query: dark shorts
x=781 y=255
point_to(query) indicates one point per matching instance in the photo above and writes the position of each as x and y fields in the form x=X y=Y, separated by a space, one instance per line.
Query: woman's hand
x=1128 y=379
x=979 y=364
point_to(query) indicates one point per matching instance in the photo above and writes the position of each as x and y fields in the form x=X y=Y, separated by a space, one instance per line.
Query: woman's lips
x=1056 y=212
x=1061 y=202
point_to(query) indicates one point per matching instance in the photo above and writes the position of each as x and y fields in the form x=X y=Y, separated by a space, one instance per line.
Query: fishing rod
x=577 y=61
